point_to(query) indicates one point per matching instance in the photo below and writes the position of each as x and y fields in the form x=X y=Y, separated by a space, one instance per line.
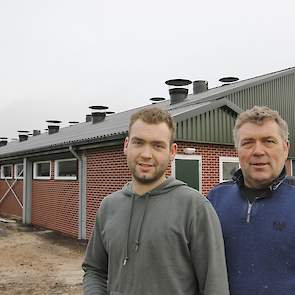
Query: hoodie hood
x=169 y=184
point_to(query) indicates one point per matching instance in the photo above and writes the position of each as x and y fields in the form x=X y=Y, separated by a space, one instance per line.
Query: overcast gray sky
x=57 y=57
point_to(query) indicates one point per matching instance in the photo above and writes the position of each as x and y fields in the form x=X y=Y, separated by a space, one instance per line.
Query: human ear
x=126 y=142
x=173 y=151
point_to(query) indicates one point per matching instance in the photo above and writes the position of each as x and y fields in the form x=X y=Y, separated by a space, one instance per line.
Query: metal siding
x=278 y=94
x=211 y=127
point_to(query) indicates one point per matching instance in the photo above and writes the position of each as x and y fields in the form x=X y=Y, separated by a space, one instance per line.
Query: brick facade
x=210 y=154
x=55 y=204
x=107 y=172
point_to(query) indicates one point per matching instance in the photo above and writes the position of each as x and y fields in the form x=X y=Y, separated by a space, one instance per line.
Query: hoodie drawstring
x=128 y=232
x=139 y=228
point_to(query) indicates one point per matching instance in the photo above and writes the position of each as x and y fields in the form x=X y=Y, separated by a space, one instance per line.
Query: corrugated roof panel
x=263 y=89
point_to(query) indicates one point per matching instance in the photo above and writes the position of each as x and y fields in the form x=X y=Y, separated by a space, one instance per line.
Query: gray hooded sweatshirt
x=165 y=242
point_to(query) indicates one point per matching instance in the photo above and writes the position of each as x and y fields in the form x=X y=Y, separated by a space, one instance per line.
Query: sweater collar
x=239 y=179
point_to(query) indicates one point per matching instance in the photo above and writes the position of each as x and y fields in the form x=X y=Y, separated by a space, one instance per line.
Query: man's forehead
x=264 y=129
x=266 y=123
x=140 y=126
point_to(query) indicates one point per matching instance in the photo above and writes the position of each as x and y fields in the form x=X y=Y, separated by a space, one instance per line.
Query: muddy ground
x=38 y=261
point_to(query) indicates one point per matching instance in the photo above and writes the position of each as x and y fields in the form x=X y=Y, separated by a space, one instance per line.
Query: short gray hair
x=257 y=115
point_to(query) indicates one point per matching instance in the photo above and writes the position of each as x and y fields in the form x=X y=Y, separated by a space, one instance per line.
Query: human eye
x=159 y=145
x=246 y=143
x=136 y=141
x=270 y=141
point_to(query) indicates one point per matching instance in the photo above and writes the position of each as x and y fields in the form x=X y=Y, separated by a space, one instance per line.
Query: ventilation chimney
x=23 y=135
x=36 y=132
x=98 y=116
x=157 y=99
x=3 y=141
x=88 y=118
x=200 y=86
x=73 y=123
x=228 y=80
x=53 y=128
x=178 y=90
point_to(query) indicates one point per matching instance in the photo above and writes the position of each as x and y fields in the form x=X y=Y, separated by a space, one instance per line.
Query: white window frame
x=35 y=176
x=189 y=157
x=291 y=164
x=2 y=171
x=15 y=172
x=56 y=170
x=226 y=160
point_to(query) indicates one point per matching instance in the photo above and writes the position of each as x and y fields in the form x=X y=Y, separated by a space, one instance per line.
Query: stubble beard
x=146 y=179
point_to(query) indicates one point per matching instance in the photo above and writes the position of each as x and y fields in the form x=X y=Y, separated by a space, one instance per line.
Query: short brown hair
x=154 y=115
x=257 y=115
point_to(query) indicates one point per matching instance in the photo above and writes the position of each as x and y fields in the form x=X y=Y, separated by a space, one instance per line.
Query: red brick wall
x=210 y=154
x=55 y=204
x=107 y=172
x=9 y=205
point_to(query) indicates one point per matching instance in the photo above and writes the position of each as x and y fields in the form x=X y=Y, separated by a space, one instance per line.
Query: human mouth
x=259 y=164
x=145 y=166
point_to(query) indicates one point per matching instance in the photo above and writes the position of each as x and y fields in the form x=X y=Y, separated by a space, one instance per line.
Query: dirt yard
x=38 y=261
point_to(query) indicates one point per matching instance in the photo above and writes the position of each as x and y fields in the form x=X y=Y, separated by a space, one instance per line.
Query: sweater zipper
x=250 y=206
x=248 y=217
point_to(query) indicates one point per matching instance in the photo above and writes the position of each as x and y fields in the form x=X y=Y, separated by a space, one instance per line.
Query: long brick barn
x=58 y=178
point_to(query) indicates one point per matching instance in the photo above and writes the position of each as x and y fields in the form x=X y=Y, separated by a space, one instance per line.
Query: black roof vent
x=23 y=135
x=36 y=132
x=228 y=80
x=88 y=118
x=72 y=123
x=53 y=128
x=3 y=141
x=200 y=86
x=178 y=89
x=157 y=99
x=98 y=116
x=98 y=108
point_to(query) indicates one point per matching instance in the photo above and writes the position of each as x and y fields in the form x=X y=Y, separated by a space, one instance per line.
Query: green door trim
x=189 y=157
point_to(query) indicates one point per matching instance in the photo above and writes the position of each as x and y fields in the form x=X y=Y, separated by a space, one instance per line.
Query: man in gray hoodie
x=156 y=236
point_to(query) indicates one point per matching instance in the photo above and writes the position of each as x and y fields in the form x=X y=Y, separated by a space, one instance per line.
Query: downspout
x=27 y=191
x=82 y=193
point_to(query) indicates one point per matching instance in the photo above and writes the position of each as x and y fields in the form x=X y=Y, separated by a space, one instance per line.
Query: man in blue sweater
x=256 y=208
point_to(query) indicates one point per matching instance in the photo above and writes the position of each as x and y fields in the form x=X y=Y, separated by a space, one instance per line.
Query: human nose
x=258 y=149
x=146 y=152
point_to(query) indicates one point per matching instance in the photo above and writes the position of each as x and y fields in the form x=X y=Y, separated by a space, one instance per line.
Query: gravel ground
x=37 y=261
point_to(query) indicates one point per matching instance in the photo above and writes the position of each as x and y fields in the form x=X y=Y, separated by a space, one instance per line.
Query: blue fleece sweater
x=259 y=238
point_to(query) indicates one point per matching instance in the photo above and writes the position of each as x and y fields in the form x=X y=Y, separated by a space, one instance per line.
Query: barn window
x=42 y=170
x=66 y=169
x=19 y=171
x=227 y=167
x=6 y=171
